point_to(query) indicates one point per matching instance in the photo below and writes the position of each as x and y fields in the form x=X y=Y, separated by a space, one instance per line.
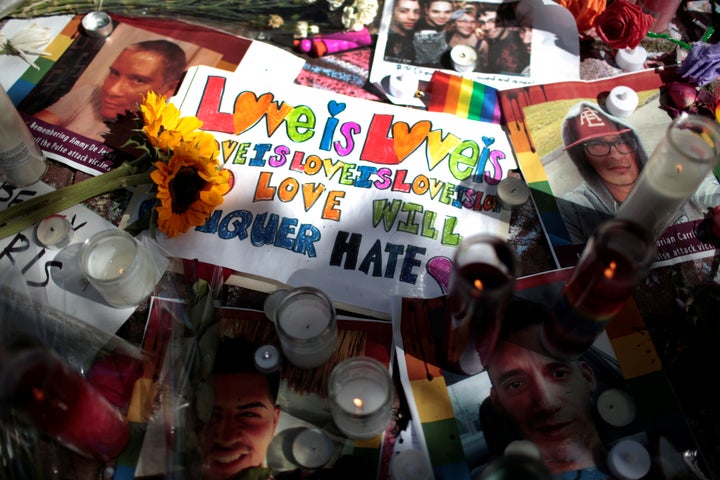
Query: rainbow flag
x=463 y=97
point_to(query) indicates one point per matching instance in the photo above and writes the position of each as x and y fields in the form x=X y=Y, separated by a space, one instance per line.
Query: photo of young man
x=244 y=414
x=400 y=37
x=609 y=155
x=156 y=65
x=508 y=46
x=429 y=38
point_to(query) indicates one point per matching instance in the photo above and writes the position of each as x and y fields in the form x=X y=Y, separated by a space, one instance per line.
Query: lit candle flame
x=38 y=394
x=358 y=404
x=121 y=271
x=478 y=284
x=678 y=168
x=609 y=271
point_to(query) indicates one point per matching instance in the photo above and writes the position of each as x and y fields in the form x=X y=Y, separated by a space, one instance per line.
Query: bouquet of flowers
x=350 y=14
x=180 y=161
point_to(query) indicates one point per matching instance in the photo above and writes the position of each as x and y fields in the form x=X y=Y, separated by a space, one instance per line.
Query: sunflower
x=163 y=125
x=189 y=187
x=181 y=161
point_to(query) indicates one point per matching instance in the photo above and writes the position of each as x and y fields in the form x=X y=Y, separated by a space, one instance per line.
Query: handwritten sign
x=52 y=276
x=352 y=196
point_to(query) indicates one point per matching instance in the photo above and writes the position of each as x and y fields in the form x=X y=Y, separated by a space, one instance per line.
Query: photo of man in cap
x=609 y=155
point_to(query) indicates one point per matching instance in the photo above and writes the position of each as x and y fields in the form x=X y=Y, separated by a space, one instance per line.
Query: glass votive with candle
x=22 y=163
x=57 y=400
x=616 y=258
x=684 y=157
x=119 y=267
x=360 y=393
x=481 y=284
x=307 y=328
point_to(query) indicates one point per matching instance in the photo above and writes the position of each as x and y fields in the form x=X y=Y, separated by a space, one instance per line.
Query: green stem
x=708 y=34
x=684 y=45
x=29 y=212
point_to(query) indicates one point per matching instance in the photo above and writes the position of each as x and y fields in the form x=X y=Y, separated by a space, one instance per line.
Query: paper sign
x=52 y=276
x=351 y=196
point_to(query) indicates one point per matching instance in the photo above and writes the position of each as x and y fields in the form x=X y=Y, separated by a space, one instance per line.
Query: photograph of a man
x=549 y=401
x=400 y=38
x=609 y=155
x=507 y=45
x=244 y=413
x=429 y=39
x=156 y=65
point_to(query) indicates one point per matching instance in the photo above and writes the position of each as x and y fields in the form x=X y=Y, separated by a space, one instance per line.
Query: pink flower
x=623 y=25
x=679 y=97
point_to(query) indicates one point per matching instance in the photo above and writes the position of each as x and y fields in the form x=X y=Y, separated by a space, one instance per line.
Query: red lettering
x=378 y=147
x=209 y=109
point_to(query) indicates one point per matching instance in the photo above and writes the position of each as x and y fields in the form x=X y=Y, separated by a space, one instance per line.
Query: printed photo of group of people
x=424 y=32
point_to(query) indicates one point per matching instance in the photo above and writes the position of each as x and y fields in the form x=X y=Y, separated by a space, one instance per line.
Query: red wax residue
x=600 y=286
x=58 y=401
x=476 y=301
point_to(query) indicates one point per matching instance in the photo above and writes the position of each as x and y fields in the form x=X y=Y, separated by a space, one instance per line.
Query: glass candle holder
x=45 y=391
x=677 y=166
x=22 y=163
x=481 y=284
x=360 y=393
x=306 y=326
x=616 y=258
x=119 y=268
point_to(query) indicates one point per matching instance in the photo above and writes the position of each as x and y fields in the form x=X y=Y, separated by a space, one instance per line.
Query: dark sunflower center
x=185 y=189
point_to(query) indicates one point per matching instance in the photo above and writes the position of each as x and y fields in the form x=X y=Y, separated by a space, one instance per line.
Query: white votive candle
x=360 y=393
x=21 y=161
x=631 y=59
x=119 y=268
x=616 y=407
x=403 y=85
x=628 y=460
x=464 y=58
x=622 y=101
x=512 y=192
x=676 y=168
x=306 y=326
x=267 y=359
x=97 y=24
x=312 y=448
x=54 y=232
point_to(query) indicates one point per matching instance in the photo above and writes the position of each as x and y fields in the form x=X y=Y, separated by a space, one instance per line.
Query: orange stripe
x=453 y=94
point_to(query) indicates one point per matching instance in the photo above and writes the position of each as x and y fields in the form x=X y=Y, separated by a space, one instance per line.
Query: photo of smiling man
x=244 y=414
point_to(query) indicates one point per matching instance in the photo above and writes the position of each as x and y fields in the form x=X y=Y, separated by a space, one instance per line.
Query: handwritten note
x=352 y=196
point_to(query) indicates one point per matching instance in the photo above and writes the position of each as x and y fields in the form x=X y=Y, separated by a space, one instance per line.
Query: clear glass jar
x=360 y=390
x=119 y=267
x=306 y=325
x=22 y=163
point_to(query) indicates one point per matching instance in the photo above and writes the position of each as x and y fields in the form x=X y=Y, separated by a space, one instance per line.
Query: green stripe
x=476 y=102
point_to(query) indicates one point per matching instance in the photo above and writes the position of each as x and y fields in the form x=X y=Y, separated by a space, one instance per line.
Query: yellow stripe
x=464 y=98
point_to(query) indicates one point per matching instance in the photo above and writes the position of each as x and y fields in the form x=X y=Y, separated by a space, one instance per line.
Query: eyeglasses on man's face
x=600 y=148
